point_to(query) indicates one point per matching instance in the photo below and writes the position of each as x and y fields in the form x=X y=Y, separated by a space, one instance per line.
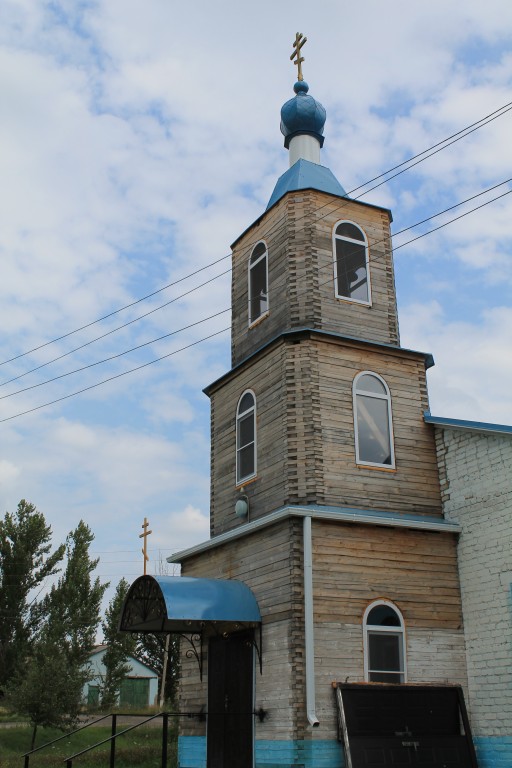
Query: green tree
x=150 y=650
x=47 y=690
x=120 y=645
x=72 y=606
x=25 y=564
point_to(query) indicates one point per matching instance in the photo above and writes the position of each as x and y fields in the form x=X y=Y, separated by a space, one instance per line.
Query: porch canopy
x=186 y=605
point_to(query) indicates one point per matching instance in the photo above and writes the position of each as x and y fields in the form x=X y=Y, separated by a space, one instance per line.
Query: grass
x=141 y=747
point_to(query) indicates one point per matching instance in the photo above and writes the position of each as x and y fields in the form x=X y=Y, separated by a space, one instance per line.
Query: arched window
x=351 y=273
x=373 y=425
x=384 y=646
x=246 y=437
x=258 y=282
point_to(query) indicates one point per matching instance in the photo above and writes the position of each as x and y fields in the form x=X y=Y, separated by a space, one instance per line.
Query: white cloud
x=139 y=140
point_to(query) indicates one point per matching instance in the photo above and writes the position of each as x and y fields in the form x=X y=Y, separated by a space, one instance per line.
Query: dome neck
x=304 y=146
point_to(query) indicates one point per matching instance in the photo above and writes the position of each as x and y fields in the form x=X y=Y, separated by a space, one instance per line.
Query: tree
x=25 y=564
x=72 y=606
x=47 y=690
x=120 y=645
x=150 y=651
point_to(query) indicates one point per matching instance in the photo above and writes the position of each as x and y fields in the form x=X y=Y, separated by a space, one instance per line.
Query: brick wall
x=476 y=483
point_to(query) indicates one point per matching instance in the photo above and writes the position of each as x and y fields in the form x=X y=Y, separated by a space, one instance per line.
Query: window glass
x=368 y=383
x=384 y=650
x=246 y=437
x=351 y=263
x=372 y=421
x=346 y=229
x=384 y=644
x=373 y=430
x=258 y=282
x=384 y=616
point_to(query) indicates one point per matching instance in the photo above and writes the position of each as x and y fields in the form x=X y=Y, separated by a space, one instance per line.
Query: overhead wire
x=424 y=155
x=163 y=357
x=220 y=312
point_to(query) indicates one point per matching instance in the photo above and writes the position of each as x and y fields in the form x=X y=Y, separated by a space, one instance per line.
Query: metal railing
x=27 y=755
x=114 y=736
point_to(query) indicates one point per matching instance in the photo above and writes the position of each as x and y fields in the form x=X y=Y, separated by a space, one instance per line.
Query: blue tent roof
x=186 y=604
x=306 y=175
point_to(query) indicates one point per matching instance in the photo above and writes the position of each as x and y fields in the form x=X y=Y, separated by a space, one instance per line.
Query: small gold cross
x=297 y=45
x=144 y=536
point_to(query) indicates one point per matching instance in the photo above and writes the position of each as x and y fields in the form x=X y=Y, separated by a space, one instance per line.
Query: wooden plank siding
x=417 y=570
x=269 y=562
x=298 y=232
x=352 y=566
x=305 y=431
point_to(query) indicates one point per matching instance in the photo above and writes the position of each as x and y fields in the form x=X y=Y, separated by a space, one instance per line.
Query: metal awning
x=192 y=608
x=183 y=604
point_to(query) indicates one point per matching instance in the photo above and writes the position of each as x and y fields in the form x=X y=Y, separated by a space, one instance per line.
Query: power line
x=114 y=357
x=132 y=370
x=117 y=376
x=114 y=330
x=425 y=154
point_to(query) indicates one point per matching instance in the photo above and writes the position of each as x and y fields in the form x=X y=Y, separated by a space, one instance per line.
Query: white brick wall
x=476 y=483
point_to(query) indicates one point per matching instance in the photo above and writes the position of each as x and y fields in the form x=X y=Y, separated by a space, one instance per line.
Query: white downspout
x=308 y=624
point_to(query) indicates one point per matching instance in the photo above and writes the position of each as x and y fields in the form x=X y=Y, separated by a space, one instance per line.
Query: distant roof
x=306 y=175
x=475 y=426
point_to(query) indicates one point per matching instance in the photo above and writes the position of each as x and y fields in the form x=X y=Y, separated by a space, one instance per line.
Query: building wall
x=417 y=570
x=305 y=431
x=298 y=232
x=475 y=472
x=269 y=563
x=136 y=670
x=352 y=566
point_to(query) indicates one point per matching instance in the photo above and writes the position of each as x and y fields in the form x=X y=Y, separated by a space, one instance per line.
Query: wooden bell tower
x=325 y=495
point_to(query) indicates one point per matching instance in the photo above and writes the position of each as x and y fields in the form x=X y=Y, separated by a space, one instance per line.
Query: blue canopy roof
x=185 y=604
x=306 y=175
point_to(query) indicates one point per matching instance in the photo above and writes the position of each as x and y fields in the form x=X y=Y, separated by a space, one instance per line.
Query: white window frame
x=250 y=266
x=239 y=416
x=377 y=629
x=335 y=237
x=376 y=395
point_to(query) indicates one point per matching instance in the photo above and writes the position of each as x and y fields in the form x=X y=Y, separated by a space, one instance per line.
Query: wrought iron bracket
x=195 y=651
x=258 y=648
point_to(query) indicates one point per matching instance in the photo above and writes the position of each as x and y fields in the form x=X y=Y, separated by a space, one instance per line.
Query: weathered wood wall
x=353 y=565
x=305 y=431
x=298 y=232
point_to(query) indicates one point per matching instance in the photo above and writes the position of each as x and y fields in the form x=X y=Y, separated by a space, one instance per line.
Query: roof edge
x=427 y=356
x=317 y=512
x=474 y=426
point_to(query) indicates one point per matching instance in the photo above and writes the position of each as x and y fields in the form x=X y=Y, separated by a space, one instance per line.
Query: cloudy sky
x=137 y=140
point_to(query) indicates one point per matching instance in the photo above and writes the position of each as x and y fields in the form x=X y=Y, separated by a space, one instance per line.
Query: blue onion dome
x=302 y=114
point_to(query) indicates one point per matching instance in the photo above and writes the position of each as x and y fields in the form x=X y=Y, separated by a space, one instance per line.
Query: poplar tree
x=26 y=561
x=73 y=604
x=120 y=645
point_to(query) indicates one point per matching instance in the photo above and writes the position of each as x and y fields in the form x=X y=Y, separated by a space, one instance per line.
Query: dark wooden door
x=230 y=701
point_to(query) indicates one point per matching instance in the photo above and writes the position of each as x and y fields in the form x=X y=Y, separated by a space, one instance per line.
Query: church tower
x=325 y=497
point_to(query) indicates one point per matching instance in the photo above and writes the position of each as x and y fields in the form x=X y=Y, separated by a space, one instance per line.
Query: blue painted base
x=493 y=751
x=321 y=753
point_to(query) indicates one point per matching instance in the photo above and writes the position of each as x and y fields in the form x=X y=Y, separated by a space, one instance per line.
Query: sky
x=137 y=141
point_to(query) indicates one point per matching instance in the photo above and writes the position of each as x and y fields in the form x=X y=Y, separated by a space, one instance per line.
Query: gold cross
x=299 y=42
x=144 y=536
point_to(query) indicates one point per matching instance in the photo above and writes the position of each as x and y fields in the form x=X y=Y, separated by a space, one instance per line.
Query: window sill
x=367 y=304
x=240 y=486
x=378 y=469
x=259 y=319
